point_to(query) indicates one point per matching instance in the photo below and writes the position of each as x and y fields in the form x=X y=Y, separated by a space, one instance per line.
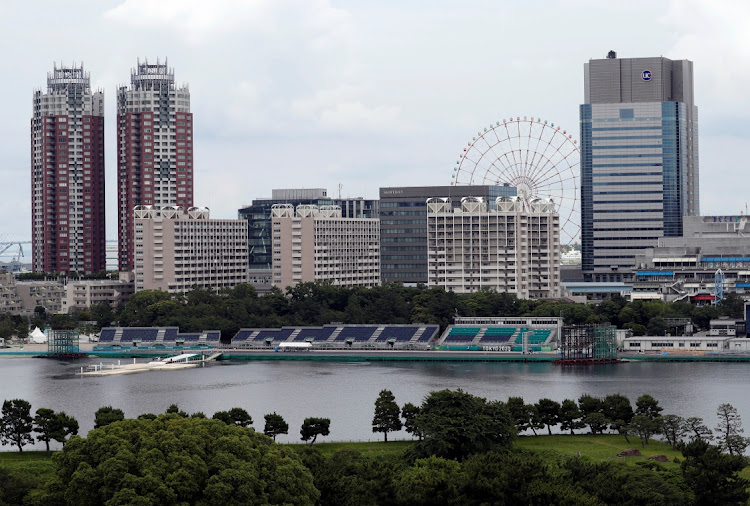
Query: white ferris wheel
x=536 y=157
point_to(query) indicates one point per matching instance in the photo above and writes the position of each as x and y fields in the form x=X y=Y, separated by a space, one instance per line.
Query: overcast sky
x=316 y=93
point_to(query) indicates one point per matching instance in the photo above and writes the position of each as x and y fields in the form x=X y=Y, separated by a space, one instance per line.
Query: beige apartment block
x=177 y=249
x=312 y=243
x=513 y=248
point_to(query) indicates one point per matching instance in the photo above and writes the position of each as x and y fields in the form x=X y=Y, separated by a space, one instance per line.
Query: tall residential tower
x=154 y=148
x=639 y=159
x=67 y=175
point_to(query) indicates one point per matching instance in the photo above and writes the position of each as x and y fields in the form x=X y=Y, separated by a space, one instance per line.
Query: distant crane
x=12 y=247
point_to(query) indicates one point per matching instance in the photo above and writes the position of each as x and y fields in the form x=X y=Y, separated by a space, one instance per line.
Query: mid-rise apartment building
x=639 y=160
x=258 y=216
x=177 y=249
x=67 y=174
x=312 y=243
x=154 y=148
x=403 y=226
x=513 y=247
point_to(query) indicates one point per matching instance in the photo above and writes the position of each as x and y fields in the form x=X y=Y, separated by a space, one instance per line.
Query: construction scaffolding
x=588 y=343
x=63 y=343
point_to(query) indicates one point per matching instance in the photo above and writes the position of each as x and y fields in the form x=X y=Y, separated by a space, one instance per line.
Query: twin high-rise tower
x=67 y=174
x=154 y=148
x=154 y=163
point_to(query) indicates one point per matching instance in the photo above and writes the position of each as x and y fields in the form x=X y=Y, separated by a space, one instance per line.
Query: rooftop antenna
x=340 y=186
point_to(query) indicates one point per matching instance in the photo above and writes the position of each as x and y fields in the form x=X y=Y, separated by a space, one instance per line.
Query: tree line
x=17 y=425
x=320 y=303
x=464 y=453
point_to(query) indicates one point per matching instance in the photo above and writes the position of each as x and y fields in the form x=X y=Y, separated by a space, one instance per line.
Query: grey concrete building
x=686 y=268
x=403 y=226
x=639 y=159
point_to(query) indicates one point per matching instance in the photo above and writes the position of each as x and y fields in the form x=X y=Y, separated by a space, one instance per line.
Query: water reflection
x=345 y=392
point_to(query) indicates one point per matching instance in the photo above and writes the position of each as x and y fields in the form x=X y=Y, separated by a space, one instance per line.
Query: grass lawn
x=600 y=447
x=370 y=448
x=29 y=462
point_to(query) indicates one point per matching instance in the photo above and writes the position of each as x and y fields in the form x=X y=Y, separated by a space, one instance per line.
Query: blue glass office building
x=639 y=160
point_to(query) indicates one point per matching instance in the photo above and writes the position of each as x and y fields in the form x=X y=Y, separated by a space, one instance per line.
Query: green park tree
x=174 y=409
x=175 y=460
x=235 y=416
x=729 y=430
x=618 y=410
x=570 y=416
x=713 y=476
x=51 y=426
x=455 y=424
x=410 y=412
x=549 y=413
x=275 y=425
x=106 y=415
x=313 y=427
x=16 y=423
x=592 y=410
x=696 y=429
x=387 y=414
x=673 y=428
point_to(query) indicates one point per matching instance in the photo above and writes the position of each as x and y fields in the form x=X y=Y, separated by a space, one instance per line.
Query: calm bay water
x=345 y=393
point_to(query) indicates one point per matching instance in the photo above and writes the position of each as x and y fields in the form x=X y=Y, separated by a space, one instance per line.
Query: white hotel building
x=514 y=248
x=178 y=249
x=312 y=243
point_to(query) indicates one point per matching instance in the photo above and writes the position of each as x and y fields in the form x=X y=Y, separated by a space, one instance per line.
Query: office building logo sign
x=646 y=75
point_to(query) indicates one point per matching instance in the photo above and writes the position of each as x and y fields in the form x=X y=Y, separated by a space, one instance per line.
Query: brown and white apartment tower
x=154 y=148
x=67 y=175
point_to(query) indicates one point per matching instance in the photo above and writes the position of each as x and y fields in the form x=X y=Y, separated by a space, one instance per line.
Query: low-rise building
x=727 y=327
x=84 y=293
x=676 y=344
x=44 y=293
x=177 y=249
x=512 y=248
x=312 y=243
x=713 y=254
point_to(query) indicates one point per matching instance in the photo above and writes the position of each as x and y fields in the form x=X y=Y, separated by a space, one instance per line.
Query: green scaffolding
x=589 y=342
x=63 y=342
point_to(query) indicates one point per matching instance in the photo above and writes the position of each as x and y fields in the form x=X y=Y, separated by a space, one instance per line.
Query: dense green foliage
x=468 y=454
x=176 y=460
x=322 y=303
x=455 y=424
x=712 y=475
x=106 y=415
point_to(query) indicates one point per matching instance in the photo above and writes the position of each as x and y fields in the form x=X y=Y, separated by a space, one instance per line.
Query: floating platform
x=184 y=361
x=587 y=361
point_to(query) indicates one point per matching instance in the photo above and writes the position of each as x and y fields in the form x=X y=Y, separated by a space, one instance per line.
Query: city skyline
x=328 y=95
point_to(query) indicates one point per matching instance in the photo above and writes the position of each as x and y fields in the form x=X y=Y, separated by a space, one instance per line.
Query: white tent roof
x=37 y=336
